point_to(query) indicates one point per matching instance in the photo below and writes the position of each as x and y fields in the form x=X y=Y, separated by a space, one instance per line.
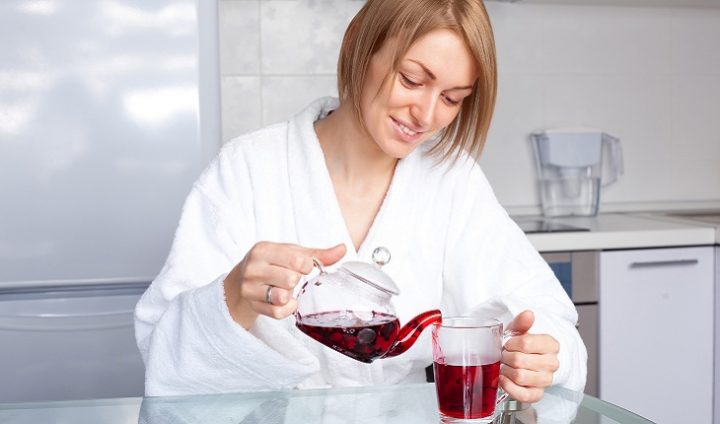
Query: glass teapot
x=349 y=310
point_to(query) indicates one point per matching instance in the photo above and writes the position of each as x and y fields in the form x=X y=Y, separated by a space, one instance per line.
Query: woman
x=389 y=164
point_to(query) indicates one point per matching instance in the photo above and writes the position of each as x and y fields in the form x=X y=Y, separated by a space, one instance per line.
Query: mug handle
x=502 y=395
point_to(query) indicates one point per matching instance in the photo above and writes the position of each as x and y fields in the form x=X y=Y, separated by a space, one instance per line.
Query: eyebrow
x=433 y=77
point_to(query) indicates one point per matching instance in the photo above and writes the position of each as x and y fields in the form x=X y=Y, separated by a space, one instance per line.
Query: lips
x=405 y=131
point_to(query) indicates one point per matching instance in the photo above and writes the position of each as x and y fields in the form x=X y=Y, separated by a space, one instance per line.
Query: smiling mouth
x=405 y=129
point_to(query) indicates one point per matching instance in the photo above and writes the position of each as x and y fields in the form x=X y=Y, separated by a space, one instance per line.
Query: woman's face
x=425 y=95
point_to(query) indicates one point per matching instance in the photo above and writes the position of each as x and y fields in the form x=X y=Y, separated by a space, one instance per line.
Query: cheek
x=394 y=94
x=369 y=108
x=446 y=115
x=373 y=121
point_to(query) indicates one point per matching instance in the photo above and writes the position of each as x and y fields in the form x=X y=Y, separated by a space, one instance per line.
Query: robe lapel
x=318 y=218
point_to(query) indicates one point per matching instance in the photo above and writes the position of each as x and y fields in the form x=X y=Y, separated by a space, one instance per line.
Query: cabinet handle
x=676 y=262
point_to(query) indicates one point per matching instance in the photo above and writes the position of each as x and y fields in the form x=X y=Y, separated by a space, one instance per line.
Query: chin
x=399 y=149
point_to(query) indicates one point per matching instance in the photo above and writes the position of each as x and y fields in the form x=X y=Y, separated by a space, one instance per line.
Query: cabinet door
x=656 y=332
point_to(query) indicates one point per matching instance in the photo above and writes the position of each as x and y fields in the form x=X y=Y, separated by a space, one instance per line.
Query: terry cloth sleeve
x=490 y=266
x=187 y=338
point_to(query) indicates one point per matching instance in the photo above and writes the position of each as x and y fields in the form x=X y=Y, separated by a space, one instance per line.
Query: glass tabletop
x=415 y=404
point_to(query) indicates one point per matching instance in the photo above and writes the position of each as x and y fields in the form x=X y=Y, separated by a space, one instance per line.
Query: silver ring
x=268 y=296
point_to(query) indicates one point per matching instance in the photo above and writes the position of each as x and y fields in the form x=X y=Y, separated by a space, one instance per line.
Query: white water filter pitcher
x=572 y=165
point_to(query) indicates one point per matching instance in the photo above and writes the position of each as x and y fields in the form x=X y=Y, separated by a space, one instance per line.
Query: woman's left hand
x=528 y=360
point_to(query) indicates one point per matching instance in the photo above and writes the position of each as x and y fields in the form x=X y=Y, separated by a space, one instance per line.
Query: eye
x=451 y=102
x=408 y=82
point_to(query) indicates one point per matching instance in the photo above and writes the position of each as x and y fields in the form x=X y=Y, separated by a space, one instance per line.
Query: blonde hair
x=406 y=21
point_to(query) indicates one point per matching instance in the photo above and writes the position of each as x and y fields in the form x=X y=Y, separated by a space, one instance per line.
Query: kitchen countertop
x=706 y=218
x=623 y=231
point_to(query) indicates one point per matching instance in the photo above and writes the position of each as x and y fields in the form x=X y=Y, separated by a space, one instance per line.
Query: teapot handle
x=319 y=265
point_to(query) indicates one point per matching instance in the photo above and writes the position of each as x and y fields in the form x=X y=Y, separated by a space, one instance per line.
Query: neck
x=351 y=155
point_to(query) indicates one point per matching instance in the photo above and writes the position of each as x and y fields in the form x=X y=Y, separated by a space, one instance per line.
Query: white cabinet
x=656 y=332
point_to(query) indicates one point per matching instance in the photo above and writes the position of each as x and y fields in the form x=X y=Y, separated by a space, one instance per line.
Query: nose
x=423 y=109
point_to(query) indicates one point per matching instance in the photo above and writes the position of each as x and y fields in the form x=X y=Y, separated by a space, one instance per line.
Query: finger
x=520 y=393
x=533 y=343
x=527 y=378
x=331 y=255
x=266 y=274
x=299 y=258
x=288 y=256
x=522 y=322
x=534 y=362
x=277 y=312
x=278 y=296
x=258 y=293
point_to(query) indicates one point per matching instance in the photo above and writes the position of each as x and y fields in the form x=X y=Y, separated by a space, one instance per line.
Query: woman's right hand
x=275 y=265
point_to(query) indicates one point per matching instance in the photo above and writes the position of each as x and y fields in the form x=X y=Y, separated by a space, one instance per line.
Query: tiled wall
x=650 y=76
x=277 y=56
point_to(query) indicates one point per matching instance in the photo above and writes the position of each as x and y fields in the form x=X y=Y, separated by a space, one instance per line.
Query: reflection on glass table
x=415 y=404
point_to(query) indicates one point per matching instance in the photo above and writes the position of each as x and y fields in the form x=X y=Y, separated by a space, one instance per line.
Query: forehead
x=446 y=55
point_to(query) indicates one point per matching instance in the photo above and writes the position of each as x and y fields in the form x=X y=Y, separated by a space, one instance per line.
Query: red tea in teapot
x=365 y=336
x=361 y=339
x=368 y=331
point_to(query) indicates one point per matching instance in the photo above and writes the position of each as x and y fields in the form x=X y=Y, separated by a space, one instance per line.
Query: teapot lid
x=371 y=273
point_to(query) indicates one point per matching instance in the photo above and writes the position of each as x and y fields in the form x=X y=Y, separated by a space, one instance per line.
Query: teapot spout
x=410 y=332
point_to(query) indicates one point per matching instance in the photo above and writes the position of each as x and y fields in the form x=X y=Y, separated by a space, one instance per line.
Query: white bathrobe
x=453 y=247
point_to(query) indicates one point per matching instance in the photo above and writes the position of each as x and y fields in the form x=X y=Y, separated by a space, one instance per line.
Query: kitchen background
x=108 y=110
x=648 y=75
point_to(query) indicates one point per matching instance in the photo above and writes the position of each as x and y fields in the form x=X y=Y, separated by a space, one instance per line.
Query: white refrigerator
x=109 y=109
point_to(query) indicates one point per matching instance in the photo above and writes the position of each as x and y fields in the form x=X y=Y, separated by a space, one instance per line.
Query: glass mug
x=466 y=362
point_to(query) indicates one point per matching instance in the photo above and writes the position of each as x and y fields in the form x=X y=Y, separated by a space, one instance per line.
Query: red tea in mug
x=466 y=356
x=467 y=391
